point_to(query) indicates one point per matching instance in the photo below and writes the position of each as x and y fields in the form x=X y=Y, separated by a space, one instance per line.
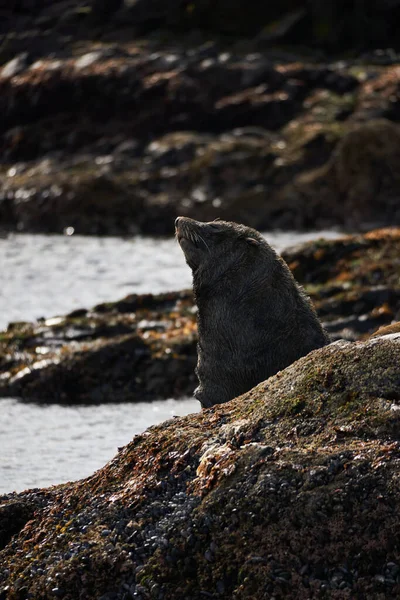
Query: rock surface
x=111 y=125
x=290 y=491
x=140 y=348
x=144 y=347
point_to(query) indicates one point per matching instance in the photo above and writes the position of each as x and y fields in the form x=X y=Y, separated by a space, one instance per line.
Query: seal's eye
x=252 y=241
x=213 y=225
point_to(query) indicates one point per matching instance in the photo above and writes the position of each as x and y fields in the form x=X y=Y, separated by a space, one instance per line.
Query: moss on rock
x=289 y=490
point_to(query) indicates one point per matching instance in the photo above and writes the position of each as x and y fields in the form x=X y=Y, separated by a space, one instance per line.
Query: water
x=43 y=275
x=48 y=275
x=44 y=445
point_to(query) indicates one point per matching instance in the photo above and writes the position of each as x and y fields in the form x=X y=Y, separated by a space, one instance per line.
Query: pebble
x=88 y=59
x=208 y=556
x=15 y=66
x=105 y=532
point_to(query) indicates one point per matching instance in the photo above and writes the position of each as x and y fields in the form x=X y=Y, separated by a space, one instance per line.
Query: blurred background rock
x=118 y=116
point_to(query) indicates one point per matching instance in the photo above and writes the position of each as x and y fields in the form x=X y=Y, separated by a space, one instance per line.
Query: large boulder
x=359 y=184
x=289 y=491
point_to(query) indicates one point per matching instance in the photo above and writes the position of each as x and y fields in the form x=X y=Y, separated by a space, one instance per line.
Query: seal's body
x=253 y=318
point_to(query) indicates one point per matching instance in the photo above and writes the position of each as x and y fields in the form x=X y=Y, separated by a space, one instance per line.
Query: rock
x=257 y=496
x=259 y=137
x=353 y=292
x=140 y=347
x=365 y=165
x=15 y=66
x=15 y=511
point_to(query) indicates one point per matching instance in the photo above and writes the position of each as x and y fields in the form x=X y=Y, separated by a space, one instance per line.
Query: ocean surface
x=49 y=275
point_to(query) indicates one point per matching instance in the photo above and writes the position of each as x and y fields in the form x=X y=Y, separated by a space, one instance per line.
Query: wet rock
x=13 y=516
x=365 y=167
x=378 y=96
x=15 y=66
x=234 y=520
x=140 y=347
x=353 y=281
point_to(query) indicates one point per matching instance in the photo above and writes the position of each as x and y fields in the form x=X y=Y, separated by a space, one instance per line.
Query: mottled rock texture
x=289 y=491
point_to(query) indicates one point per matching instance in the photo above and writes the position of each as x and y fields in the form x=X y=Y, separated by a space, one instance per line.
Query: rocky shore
x=108 y=129
x=116 y=118
x=289 y=491
x=144 y=347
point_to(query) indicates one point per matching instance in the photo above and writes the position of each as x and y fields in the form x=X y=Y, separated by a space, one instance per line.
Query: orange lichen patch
x=383 y=233
x=384 y=309
x=290 y=67
x=157 y=78
x=344 y=276
x=387 y=330
x=255 y=95
x=387 y=83
x=217 y=462
x=294 y=265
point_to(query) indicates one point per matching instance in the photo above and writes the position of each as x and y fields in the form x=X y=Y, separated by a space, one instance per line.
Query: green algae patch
x=335 y=393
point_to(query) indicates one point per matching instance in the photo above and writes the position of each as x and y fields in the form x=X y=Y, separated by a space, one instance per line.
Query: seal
x=253 y=318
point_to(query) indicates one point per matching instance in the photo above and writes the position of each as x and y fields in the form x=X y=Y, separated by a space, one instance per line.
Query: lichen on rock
x=290 y=490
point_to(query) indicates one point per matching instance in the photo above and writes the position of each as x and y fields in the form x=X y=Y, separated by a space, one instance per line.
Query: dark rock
x=16 y=511
x=13 y=517
x=84 y=110
x=114 y=352
x=244 y=521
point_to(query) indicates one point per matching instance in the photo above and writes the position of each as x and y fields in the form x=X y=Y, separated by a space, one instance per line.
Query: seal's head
x=216 y=246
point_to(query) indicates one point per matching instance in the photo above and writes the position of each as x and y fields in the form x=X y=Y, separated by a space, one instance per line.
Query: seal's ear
x=252 y=241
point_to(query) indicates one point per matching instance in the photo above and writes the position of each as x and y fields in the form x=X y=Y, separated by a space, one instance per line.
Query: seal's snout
x=179 y=227
x=189 y=238
x=183 y=222
x=185 y=227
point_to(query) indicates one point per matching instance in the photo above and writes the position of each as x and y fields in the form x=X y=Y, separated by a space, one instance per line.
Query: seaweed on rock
x=290 y=490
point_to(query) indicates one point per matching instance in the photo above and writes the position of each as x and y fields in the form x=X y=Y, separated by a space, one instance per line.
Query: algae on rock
x=289 y=490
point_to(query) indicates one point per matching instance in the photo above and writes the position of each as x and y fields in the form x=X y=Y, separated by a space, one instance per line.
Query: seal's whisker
x=204 y=242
